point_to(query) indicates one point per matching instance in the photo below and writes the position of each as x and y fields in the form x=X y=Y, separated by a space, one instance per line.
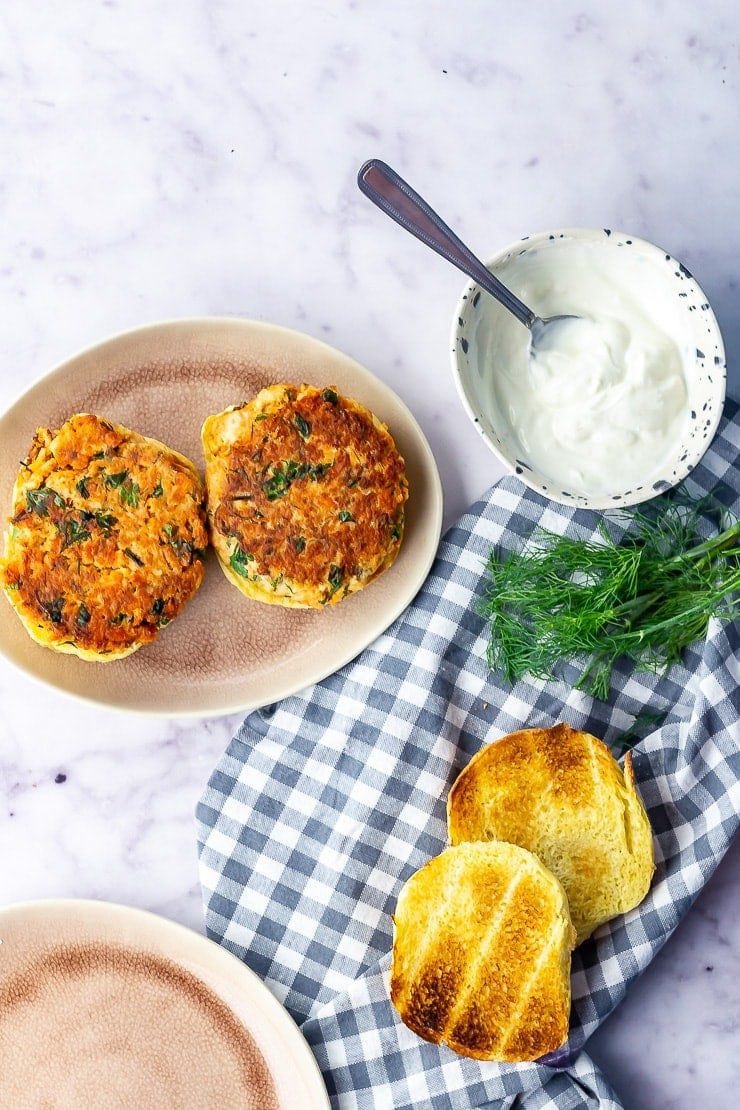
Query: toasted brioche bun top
x=561 y=794
x=481 y=953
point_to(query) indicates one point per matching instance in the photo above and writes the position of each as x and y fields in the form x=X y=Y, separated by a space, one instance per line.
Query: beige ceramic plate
x=99 y=997
x=224 y=653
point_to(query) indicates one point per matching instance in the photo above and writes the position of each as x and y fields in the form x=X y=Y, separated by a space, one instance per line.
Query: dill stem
x=701 y=551
x=635 y=606
x=668 y=622
x=709 y=547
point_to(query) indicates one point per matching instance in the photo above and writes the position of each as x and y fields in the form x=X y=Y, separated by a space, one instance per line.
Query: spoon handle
x=397 y=199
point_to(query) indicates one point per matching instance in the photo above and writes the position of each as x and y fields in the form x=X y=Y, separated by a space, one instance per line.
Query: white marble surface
x=164 y=159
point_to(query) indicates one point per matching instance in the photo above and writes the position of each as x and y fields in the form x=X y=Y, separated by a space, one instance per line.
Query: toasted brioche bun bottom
x=481 y=953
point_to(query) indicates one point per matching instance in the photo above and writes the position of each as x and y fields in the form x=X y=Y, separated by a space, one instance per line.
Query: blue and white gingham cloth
x=324 y=804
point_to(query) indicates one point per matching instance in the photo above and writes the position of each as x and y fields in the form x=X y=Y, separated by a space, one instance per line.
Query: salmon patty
x=106 y=538
x=305 y=494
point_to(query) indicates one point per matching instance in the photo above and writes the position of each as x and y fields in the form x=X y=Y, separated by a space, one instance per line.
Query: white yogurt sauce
x=601 y=408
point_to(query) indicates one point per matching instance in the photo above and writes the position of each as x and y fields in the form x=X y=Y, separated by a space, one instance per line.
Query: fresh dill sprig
x=645 y=597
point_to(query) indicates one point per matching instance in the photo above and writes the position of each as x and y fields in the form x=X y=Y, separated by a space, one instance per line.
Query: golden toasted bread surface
x=105 y=540
x=561 y=794
x=306 y=494
x=481 y=953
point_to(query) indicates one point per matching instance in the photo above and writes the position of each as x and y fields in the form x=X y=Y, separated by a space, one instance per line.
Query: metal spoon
x=397 y=199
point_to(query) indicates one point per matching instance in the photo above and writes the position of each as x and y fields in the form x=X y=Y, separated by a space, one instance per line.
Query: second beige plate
x=224 y=653
x=106 y=1005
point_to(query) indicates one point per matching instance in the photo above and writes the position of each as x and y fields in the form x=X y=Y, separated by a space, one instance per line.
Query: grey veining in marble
x=172 y=159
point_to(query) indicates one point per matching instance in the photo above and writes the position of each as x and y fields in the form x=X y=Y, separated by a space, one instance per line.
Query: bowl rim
x=531 y=479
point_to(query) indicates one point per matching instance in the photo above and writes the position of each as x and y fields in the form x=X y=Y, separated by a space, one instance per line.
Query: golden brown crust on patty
x=306 y=494
x=105 y=540
x=560 y=793
x=481 y=953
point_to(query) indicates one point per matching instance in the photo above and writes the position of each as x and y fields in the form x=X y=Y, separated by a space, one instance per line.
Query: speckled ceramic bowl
x=667 y=288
